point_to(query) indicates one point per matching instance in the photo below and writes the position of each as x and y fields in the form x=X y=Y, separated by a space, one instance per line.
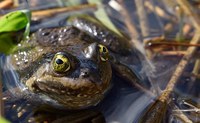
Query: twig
x=172 y=53
x=192 y=110
x=181 y=66
x=16 y=3
x=186 y=29
x=159 y=11
x=179 y=114
x=195 y=73
x=188 y=9
x=196 y=68
x=52 y=12
x=180 y=14
x=169 y=43
x=158 y=109
x=141 y=11
x=135 y=36
x=179 y=70
x=154 y=112
x=5 y=4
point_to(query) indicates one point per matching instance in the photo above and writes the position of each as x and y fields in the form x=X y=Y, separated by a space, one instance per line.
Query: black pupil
x=59 y=61
x=104 y=49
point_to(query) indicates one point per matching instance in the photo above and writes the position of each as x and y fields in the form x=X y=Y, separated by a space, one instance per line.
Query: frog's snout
x=92 y=75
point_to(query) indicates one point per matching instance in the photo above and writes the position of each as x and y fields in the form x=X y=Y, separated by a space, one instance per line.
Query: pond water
x=123 y=103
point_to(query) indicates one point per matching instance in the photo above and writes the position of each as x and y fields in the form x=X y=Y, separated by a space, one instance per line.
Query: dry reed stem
x=157 y=110
x=188 y=10
x=180 y=68
x=180 y=115
x=144 y=24
x=135 y=36
x=159 y=11
x=170 y=43
x=172 y=53
x=189 y=53
x=6 y=4
x=196 y=68
x=51 y=12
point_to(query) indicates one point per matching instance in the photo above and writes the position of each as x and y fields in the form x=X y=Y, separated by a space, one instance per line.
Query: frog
x=72 y=67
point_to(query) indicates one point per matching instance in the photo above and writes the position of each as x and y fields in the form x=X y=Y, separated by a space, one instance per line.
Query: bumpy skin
x=89 y=76
x=86 y=81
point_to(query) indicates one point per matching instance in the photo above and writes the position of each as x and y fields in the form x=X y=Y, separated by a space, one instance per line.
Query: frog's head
x=75 y=77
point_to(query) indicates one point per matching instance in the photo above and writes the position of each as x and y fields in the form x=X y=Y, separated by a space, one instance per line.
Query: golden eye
x=60 y=63
x=104 y=54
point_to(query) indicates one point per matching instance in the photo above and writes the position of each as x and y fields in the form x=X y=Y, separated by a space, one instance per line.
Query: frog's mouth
x=73 y=93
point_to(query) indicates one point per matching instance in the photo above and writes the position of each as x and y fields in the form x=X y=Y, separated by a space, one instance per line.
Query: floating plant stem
x=165 y=46
x=188 y=9
x=51 y=12
x=135 y=36
x=141 y=11
x=195 y=73
x=158 y=109
x=6 y=4
x=153 y=114
x=179 y=35
x=169 y=43
x=196 y=68
x=172 y=53
x=190 y=51
x=179 y=70
x=159 y=11
x=180 y=115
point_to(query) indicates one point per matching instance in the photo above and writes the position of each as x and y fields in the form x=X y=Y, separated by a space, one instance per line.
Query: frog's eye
x=104 y=54
x=60 y=63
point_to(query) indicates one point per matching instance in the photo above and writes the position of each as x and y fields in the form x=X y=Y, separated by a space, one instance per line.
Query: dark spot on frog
x=45 y=33
x=86 y=37
x=54 y=37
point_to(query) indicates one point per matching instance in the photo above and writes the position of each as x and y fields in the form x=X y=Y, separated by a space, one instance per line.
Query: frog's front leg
x=131 y=76
x=17 y=106
x=23 y=107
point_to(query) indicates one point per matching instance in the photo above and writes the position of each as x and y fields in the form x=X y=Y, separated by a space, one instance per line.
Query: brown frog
x=72 y=66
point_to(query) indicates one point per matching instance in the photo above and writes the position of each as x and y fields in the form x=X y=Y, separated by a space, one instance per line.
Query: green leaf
x=12 y=30
x=13 y=21
x=102 y=16
x=28 y=16
x=2 y=120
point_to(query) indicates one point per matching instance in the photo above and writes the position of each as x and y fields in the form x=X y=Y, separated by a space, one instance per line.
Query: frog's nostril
x=85 y=72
